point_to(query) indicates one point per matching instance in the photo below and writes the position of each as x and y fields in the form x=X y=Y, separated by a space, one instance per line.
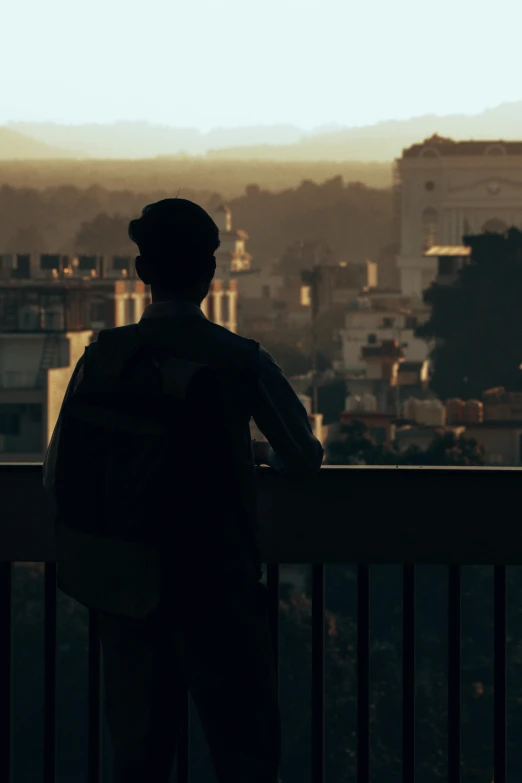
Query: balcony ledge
x=343 y=515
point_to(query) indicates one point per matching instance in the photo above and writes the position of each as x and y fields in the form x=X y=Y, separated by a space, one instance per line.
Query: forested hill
x=227 y=177
x=355 y=220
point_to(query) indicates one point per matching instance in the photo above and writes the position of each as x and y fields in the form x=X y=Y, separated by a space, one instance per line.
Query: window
x=35 y=414
x=98 y=312
x=9 y=420
x=87 y=262
x=49 y=261
x=372 y=339
x=429 y=228
x=266 y=292
x=121 y=262
x=411 y=322
x=22 y=270
x=387 y=323
x=430 y=185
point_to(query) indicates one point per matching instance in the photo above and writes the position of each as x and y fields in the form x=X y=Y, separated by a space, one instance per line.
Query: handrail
x=342 y=515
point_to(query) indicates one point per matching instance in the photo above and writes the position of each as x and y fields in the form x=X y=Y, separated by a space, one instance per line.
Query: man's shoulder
x=236 y=350
x=117 y=333
x=217 y=339
x=223 y=334
x=117 y=338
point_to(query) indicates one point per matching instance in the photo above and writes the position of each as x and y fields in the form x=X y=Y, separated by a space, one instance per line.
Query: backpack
x=132 y=464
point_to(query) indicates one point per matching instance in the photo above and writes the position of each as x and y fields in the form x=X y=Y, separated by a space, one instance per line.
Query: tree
x=476 y=323
x=27 y=239
x=104 y=235
x=357 y=447
x=447 y=449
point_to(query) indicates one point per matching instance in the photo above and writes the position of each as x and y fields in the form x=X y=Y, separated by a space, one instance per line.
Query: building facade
x=116 y=296
x=448 y=189
x=43 y=333
x=51 y=307
x=373 y=319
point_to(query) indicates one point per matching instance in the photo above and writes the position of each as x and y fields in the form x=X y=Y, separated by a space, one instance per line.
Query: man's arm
x=49 y=464
x=280 y=415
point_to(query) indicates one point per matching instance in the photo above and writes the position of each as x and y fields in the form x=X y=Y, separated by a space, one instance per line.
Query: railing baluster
x=94 y=758
x=50 y=673
x=408 y=674
x=272 y=584
x=183 y=754
x=318 y=639
x=6 y=676
x=363 y=673
x=500 y=675
x=454 y=662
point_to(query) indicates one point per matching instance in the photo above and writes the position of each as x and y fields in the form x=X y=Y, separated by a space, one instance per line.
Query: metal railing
x=498 y=545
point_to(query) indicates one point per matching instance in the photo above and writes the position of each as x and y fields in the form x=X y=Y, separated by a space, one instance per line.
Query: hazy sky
x=204 y=63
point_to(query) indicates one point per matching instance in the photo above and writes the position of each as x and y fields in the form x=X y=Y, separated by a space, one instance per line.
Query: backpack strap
x=110 y=354
x=117 y=351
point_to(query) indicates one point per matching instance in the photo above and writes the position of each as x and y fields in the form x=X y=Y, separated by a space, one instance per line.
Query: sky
x=208 y=64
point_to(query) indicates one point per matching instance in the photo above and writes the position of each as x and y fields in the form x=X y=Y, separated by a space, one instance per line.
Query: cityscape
x=362 y=341
x=358 y=337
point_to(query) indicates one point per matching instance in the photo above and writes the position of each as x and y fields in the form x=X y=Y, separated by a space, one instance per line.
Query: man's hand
x=261 y=452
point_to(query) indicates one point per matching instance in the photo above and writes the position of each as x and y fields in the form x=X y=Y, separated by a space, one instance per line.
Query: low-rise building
x=264 y=283
x=116 y=296
x=51 y=307
x=373 y=319
x=495 y=421
x=381 y=426
x=43 y=333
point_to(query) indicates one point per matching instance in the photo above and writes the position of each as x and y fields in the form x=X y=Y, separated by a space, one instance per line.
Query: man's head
x=177 y=240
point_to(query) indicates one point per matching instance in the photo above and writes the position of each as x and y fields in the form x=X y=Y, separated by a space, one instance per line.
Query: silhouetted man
x=183 y=607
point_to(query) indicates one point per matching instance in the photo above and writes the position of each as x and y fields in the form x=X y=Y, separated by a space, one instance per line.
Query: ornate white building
x=447 y=189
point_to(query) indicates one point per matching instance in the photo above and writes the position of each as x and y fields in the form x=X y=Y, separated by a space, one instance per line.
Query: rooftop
x=448 y=250
x=443 y=146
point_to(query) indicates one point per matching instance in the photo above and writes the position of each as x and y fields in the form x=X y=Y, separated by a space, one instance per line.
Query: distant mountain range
x=383 y=141
x=18 y=146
